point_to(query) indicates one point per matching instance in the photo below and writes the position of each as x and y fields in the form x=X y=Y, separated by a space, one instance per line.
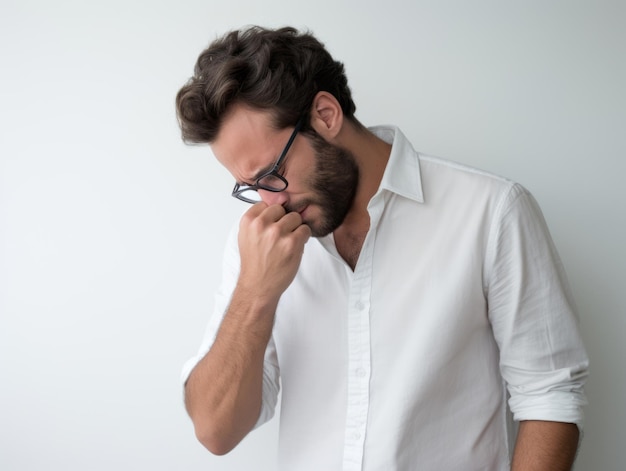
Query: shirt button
x=356 y=435
x=359 y=305
x=360 y=372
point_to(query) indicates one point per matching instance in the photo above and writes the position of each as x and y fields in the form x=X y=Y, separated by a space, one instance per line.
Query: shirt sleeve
x=532 y=312
x=230 y=275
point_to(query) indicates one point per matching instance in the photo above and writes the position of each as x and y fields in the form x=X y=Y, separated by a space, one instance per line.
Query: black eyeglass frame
x=239 y=189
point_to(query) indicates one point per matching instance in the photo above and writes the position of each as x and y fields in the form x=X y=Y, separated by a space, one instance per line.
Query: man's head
x=250 y=92
x=279 y=71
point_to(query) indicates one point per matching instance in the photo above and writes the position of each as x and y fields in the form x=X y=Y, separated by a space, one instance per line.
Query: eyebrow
x=265 y=170
x=258 y=175
x=261 y=172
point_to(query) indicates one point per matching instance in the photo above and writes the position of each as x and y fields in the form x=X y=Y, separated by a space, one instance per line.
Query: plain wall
x=111 y=230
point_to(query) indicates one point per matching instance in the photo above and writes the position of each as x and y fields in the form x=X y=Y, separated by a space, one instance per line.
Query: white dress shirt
x=404 y=364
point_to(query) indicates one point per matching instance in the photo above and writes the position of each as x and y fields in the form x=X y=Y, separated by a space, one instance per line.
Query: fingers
x=290 y=221
x=271 y=244
x=275 y=213
x=267 y=213
x=256 y=210
x=302 y=230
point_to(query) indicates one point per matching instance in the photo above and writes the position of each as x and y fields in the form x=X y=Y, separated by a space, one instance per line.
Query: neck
x=371 y=154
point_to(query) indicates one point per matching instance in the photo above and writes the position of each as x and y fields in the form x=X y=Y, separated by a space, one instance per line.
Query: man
x=427 y=292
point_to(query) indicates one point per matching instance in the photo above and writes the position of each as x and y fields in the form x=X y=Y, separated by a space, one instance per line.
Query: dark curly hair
x=279 y=70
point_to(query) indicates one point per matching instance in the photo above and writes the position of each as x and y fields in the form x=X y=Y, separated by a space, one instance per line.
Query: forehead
x=247 y=142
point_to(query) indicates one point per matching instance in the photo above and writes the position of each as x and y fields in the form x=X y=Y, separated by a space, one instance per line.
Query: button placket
x=359 y=356
x=359 y=367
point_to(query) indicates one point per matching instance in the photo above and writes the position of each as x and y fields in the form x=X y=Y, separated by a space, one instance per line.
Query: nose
x=273 y=197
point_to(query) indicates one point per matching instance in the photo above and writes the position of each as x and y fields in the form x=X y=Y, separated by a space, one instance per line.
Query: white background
x=111 y=230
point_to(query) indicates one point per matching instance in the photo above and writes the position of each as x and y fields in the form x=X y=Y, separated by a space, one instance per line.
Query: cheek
x=301 y=176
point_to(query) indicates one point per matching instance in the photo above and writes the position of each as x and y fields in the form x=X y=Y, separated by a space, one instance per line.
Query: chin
x=320 y=229
x=321 y=222
x=318 y=233
x=317 y=230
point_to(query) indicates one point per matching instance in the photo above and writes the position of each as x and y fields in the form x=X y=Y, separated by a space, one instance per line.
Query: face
x=322 y=177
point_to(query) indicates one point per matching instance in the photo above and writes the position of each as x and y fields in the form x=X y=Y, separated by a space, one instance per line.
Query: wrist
x=254 y=309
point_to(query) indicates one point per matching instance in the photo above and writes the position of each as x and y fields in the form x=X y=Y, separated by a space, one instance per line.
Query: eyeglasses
x=269 y=181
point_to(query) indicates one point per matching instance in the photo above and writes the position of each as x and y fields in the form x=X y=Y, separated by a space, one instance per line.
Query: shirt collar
x=402 y=173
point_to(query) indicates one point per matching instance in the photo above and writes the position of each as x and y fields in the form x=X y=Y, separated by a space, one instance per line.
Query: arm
x=542 y=357
x=224 y=391
x=545 y=446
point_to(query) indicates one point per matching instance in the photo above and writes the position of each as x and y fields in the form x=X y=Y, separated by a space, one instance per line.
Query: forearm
x=545 y=446
x=224 y=391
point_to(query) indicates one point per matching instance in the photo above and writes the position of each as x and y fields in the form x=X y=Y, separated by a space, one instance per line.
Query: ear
x=326 y=116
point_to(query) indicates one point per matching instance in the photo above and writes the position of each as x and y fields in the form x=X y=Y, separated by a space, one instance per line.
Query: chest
x=349 y=245
x=352 y=343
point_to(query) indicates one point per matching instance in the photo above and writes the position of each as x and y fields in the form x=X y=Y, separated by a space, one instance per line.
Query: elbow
x=219 y=427
x=218 y=442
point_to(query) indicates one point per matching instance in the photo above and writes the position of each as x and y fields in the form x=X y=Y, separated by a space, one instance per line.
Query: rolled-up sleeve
x=532 y=312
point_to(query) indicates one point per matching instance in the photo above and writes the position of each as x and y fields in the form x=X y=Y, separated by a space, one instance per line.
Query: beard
x=334 y=183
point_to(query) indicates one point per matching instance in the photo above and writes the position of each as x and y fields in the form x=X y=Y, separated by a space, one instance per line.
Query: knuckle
x=274 y=231
x=296 y=217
